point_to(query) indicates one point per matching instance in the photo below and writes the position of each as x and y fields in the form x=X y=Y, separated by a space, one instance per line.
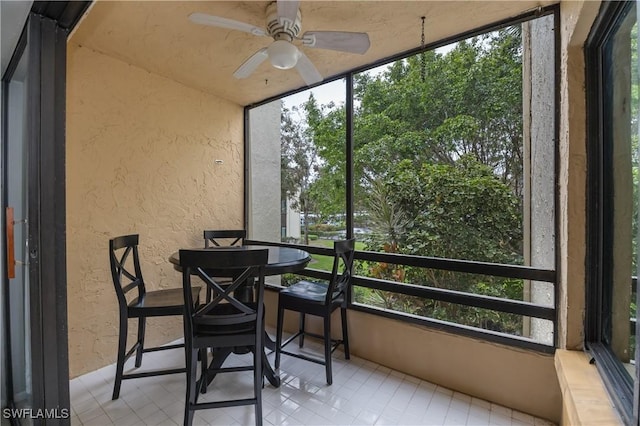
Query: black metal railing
x=518 y=307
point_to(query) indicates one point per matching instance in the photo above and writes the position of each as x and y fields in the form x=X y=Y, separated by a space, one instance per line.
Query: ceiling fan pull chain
x=422 y=58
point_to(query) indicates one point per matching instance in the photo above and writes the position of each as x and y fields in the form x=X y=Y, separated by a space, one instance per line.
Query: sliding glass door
x=15 y=296
x=35 y=369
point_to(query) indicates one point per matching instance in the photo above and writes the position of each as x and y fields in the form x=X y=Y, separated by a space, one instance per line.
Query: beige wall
x=140 y=159
x=523 y=380
x=577 y=18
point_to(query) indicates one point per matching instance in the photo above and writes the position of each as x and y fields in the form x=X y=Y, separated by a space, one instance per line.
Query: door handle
x=11 y=249
x=11 y=253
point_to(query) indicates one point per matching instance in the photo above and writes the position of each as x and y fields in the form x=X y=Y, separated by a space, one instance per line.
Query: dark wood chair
x=135 y=301
x=224 y=237
x=225 y=322
x=319 y=299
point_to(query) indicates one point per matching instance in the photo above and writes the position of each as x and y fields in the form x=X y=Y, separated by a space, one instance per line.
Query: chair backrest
x=125 y=267
x=232 y=237
x=224 y=309
x=341 y=278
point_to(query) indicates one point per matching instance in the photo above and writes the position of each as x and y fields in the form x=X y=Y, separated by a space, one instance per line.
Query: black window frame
x=500 y=270
x=622 y=388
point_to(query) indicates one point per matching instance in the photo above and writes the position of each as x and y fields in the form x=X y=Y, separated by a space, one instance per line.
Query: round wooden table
x=281 y=260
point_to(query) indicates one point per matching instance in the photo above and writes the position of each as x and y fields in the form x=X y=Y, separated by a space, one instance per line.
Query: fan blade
x=337 y=40
x=288 y=9
x=307 y=70
x=250 y=65
x=230 y=24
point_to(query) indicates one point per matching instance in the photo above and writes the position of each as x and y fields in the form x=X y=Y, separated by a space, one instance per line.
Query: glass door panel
x=16 y=294
x=622 y=203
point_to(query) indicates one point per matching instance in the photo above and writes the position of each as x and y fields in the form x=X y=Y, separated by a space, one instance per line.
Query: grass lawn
x=325 y=263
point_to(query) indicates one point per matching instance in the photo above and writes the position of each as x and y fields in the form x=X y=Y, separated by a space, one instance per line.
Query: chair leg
x=142 y=321
x=258 y=378
x=327 y=347
x=191 y=394
x=202 y=354
x=279 y=336
x=122 y=348
x=301 y=338
x=345 y=333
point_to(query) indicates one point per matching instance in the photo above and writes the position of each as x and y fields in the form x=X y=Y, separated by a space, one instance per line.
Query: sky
x=334 y=91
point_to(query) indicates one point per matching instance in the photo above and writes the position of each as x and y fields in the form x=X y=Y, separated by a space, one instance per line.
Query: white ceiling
x=158 y=37
x=13 y=15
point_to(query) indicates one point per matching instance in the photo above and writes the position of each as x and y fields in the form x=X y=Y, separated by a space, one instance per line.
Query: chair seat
x=124 y=260
x=167 y=301
x=308 y=290
x=319 y=299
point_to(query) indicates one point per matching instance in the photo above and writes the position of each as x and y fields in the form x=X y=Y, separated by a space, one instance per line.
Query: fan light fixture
x=283 y=25
x=283 y=55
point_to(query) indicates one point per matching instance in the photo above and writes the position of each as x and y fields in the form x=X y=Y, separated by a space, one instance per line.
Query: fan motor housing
x=282 y=29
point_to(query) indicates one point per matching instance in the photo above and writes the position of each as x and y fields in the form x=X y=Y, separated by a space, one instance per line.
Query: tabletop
x=282 y=260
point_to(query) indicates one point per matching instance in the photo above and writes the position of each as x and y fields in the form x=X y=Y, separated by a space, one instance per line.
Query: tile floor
x=363 y=393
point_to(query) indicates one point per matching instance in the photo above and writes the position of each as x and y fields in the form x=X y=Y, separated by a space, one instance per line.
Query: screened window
x=454 y=158
x=444 y=153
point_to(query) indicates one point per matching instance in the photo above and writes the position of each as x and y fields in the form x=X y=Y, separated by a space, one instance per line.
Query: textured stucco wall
x=141 y=153
x=543 y=170
x=264 y=169
x=577 y=19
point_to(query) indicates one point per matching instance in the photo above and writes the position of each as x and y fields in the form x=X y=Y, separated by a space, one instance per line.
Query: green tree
x=326 y=125
x=452 y=211
x=457 y=211
x=438 y=167
x=298 y=160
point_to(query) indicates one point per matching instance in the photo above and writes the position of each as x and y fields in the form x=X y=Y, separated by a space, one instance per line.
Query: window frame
x=622 y=388
x=456 y=265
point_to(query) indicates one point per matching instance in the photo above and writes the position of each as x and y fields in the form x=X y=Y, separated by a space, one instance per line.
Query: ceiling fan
x=283 y=24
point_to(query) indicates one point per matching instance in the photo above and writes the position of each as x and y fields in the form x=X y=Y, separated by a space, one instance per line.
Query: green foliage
x=324 y=263
x=324 y=227
x=457 y=211
x=326 y=125
x=438 y=170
